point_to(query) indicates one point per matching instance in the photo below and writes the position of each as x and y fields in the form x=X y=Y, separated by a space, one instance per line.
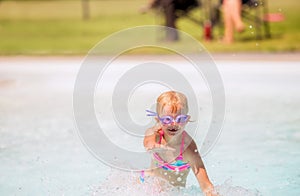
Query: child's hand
x=211 y=192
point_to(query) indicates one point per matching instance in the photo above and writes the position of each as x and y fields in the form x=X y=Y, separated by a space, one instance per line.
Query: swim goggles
x=166 y=120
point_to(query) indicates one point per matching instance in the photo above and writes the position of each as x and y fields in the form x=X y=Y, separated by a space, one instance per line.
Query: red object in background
x=274 y=17
x=207 y=31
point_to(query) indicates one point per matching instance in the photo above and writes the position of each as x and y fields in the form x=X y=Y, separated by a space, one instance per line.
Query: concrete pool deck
x=251 y=56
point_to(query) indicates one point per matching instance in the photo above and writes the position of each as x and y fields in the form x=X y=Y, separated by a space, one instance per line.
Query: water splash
x=126 y=183
x=227 y=189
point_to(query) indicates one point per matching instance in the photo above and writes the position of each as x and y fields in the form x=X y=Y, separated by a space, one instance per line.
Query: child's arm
x=198 y=168
x=151 y=140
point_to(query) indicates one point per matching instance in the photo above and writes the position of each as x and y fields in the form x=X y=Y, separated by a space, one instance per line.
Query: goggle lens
x=169 y=119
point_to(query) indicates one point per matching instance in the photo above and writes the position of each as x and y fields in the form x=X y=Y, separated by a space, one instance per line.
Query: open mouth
x=173 y=130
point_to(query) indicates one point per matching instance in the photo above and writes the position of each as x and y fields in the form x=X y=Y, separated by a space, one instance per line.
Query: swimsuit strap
x=179 y=165
x=180 y=157
x=161 y=133
x=182 y=143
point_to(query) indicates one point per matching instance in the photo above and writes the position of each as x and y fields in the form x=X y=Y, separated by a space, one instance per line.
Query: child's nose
x=173 y=122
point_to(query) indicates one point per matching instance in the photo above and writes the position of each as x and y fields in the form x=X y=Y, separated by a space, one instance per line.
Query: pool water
x=257 y=152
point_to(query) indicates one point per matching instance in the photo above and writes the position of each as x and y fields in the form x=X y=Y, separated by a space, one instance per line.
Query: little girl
x=174 y=152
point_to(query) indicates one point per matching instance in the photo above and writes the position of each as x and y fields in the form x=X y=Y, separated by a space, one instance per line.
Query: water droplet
x=165 y=173
x=250 y=26
x=172 y=182
x=179 y=179
x=196 y=150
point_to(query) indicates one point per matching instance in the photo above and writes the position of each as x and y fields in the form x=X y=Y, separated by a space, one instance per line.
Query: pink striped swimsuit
x=178 y=165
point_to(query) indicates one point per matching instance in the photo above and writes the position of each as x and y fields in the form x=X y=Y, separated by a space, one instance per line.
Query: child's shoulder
x=187 y=137
x=189 y=142
x=191 y=151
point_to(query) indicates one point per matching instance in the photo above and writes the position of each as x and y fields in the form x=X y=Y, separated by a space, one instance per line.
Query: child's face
x=173 y=123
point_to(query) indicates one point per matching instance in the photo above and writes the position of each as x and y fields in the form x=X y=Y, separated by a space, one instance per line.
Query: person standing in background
x=232 y=19
x=169 y=8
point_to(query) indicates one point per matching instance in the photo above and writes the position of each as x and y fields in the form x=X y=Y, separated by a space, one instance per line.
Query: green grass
x=56 y=27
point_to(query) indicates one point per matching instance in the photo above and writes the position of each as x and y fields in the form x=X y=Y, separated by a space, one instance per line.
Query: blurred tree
x=85 y=9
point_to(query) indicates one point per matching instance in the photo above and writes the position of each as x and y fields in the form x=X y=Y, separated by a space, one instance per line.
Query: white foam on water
x=126 y=183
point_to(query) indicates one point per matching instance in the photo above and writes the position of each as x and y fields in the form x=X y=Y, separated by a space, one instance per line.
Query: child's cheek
x=164 y=127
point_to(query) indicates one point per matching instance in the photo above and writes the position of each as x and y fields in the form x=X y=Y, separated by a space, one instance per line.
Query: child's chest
x=169 y=156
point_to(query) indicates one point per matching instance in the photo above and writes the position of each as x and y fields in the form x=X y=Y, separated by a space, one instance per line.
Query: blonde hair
x=176 y=100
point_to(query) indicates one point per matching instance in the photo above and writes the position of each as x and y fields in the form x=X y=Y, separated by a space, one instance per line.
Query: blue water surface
x=41 y=153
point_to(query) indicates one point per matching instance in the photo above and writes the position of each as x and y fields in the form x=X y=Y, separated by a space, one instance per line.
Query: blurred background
x=72 y=27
